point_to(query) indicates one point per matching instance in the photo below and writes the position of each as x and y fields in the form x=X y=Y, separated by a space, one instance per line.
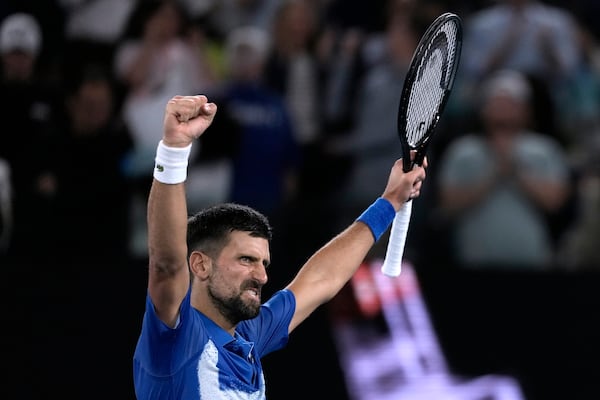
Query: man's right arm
x=186 y=118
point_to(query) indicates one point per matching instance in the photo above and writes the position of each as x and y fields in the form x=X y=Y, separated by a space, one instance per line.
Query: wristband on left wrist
x=378 y=217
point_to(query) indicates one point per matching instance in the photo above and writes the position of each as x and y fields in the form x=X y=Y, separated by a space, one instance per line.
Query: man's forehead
x=244 y=240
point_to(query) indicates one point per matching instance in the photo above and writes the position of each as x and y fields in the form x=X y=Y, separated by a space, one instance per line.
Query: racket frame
x=418 y=56
x=392 y=263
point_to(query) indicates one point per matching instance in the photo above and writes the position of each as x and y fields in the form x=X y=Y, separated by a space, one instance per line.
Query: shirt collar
x=222 y=338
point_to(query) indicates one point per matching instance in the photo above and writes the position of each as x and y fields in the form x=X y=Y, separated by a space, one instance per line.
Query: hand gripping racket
x=426 y=89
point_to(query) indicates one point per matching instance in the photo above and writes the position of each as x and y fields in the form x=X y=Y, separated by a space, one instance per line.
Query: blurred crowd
x=307 y=92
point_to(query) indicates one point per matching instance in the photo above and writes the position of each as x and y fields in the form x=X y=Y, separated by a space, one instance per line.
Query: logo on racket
x=430 y=60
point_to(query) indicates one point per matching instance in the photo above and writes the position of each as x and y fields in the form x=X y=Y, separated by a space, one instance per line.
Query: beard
x=234 y=308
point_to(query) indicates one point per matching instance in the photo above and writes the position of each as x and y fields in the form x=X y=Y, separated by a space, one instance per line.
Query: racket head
x=427 y=85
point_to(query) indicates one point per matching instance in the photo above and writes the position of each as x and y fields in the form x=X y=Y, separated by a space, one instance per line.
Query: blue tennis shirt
x=198 y=360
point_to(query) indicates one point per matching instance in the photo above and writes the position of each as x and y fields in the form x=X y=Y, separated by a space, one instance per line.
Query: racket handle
x=392 y=264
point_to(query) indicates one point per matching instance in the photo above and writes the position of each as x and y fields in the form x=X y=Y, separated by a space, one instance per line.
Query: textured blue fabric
x=378 y=217
x=199 y=360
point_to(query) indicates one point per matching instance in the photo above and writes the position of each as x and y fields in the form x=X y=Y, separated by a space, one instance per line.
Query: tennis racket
x=426 y=89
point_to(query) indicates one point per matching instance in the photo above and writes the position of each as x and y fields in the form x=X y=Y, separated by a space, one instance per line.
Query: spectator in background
x=29 y=112
x=21 y=42
x=579 y=248
x=267 y=158
x=373 y=141
x=5 y=207
x=89 y=233
x=292 y=68
x=50 y=18
x=95 y=192
x=536 y=39
x=227 y=15
x=153 y=60
x=96 y=21
x=579 y=111
x=501 y=187
x=93 y=29
x=527 y=35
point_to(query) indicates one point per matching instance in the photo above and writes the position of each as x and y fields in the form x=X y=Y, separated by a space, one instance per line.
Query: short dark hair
x=208 y=230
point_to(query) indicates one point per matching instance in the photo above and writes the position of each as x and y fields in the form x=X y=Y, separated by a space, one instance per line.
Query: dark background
x=541 y=328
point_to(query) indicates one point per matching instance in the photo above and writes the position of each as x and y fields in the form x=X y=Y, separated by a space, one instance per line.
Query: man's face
x=238 y=275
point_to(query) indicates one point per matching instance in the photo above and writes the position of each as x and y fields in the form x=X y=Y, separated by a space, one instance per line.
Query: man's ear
x=200 y=264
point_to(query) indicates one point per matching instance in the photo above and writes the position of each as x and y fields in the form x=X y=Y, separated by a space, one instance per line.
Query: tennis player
x=205 y=327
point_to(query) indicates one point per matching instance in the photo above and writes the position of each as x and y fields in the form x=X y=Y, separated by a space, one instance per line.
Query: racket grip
x=392 y=264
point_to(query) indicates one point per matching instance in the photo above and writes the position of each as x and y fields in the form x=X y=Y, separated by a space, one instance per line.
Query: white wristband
x=171 y=163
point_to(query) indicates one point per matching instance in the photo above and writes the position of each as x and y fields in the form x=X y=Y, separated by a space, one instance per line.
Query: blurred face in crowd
x=504 y=117
x=164 y=24
x=506 y=107
x=18 y=65
x=402 y=41
x=20 y=43
x=91 y=106
x=504 y=114
x=295 y=24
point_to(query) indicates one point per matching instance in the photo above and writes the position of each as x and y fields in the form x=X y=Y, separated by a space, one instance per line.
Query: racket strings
x=434 y=78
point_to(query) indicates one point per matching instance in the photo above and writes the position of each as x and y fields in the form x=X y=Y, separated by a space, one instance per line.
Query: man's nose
x=260 y=274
